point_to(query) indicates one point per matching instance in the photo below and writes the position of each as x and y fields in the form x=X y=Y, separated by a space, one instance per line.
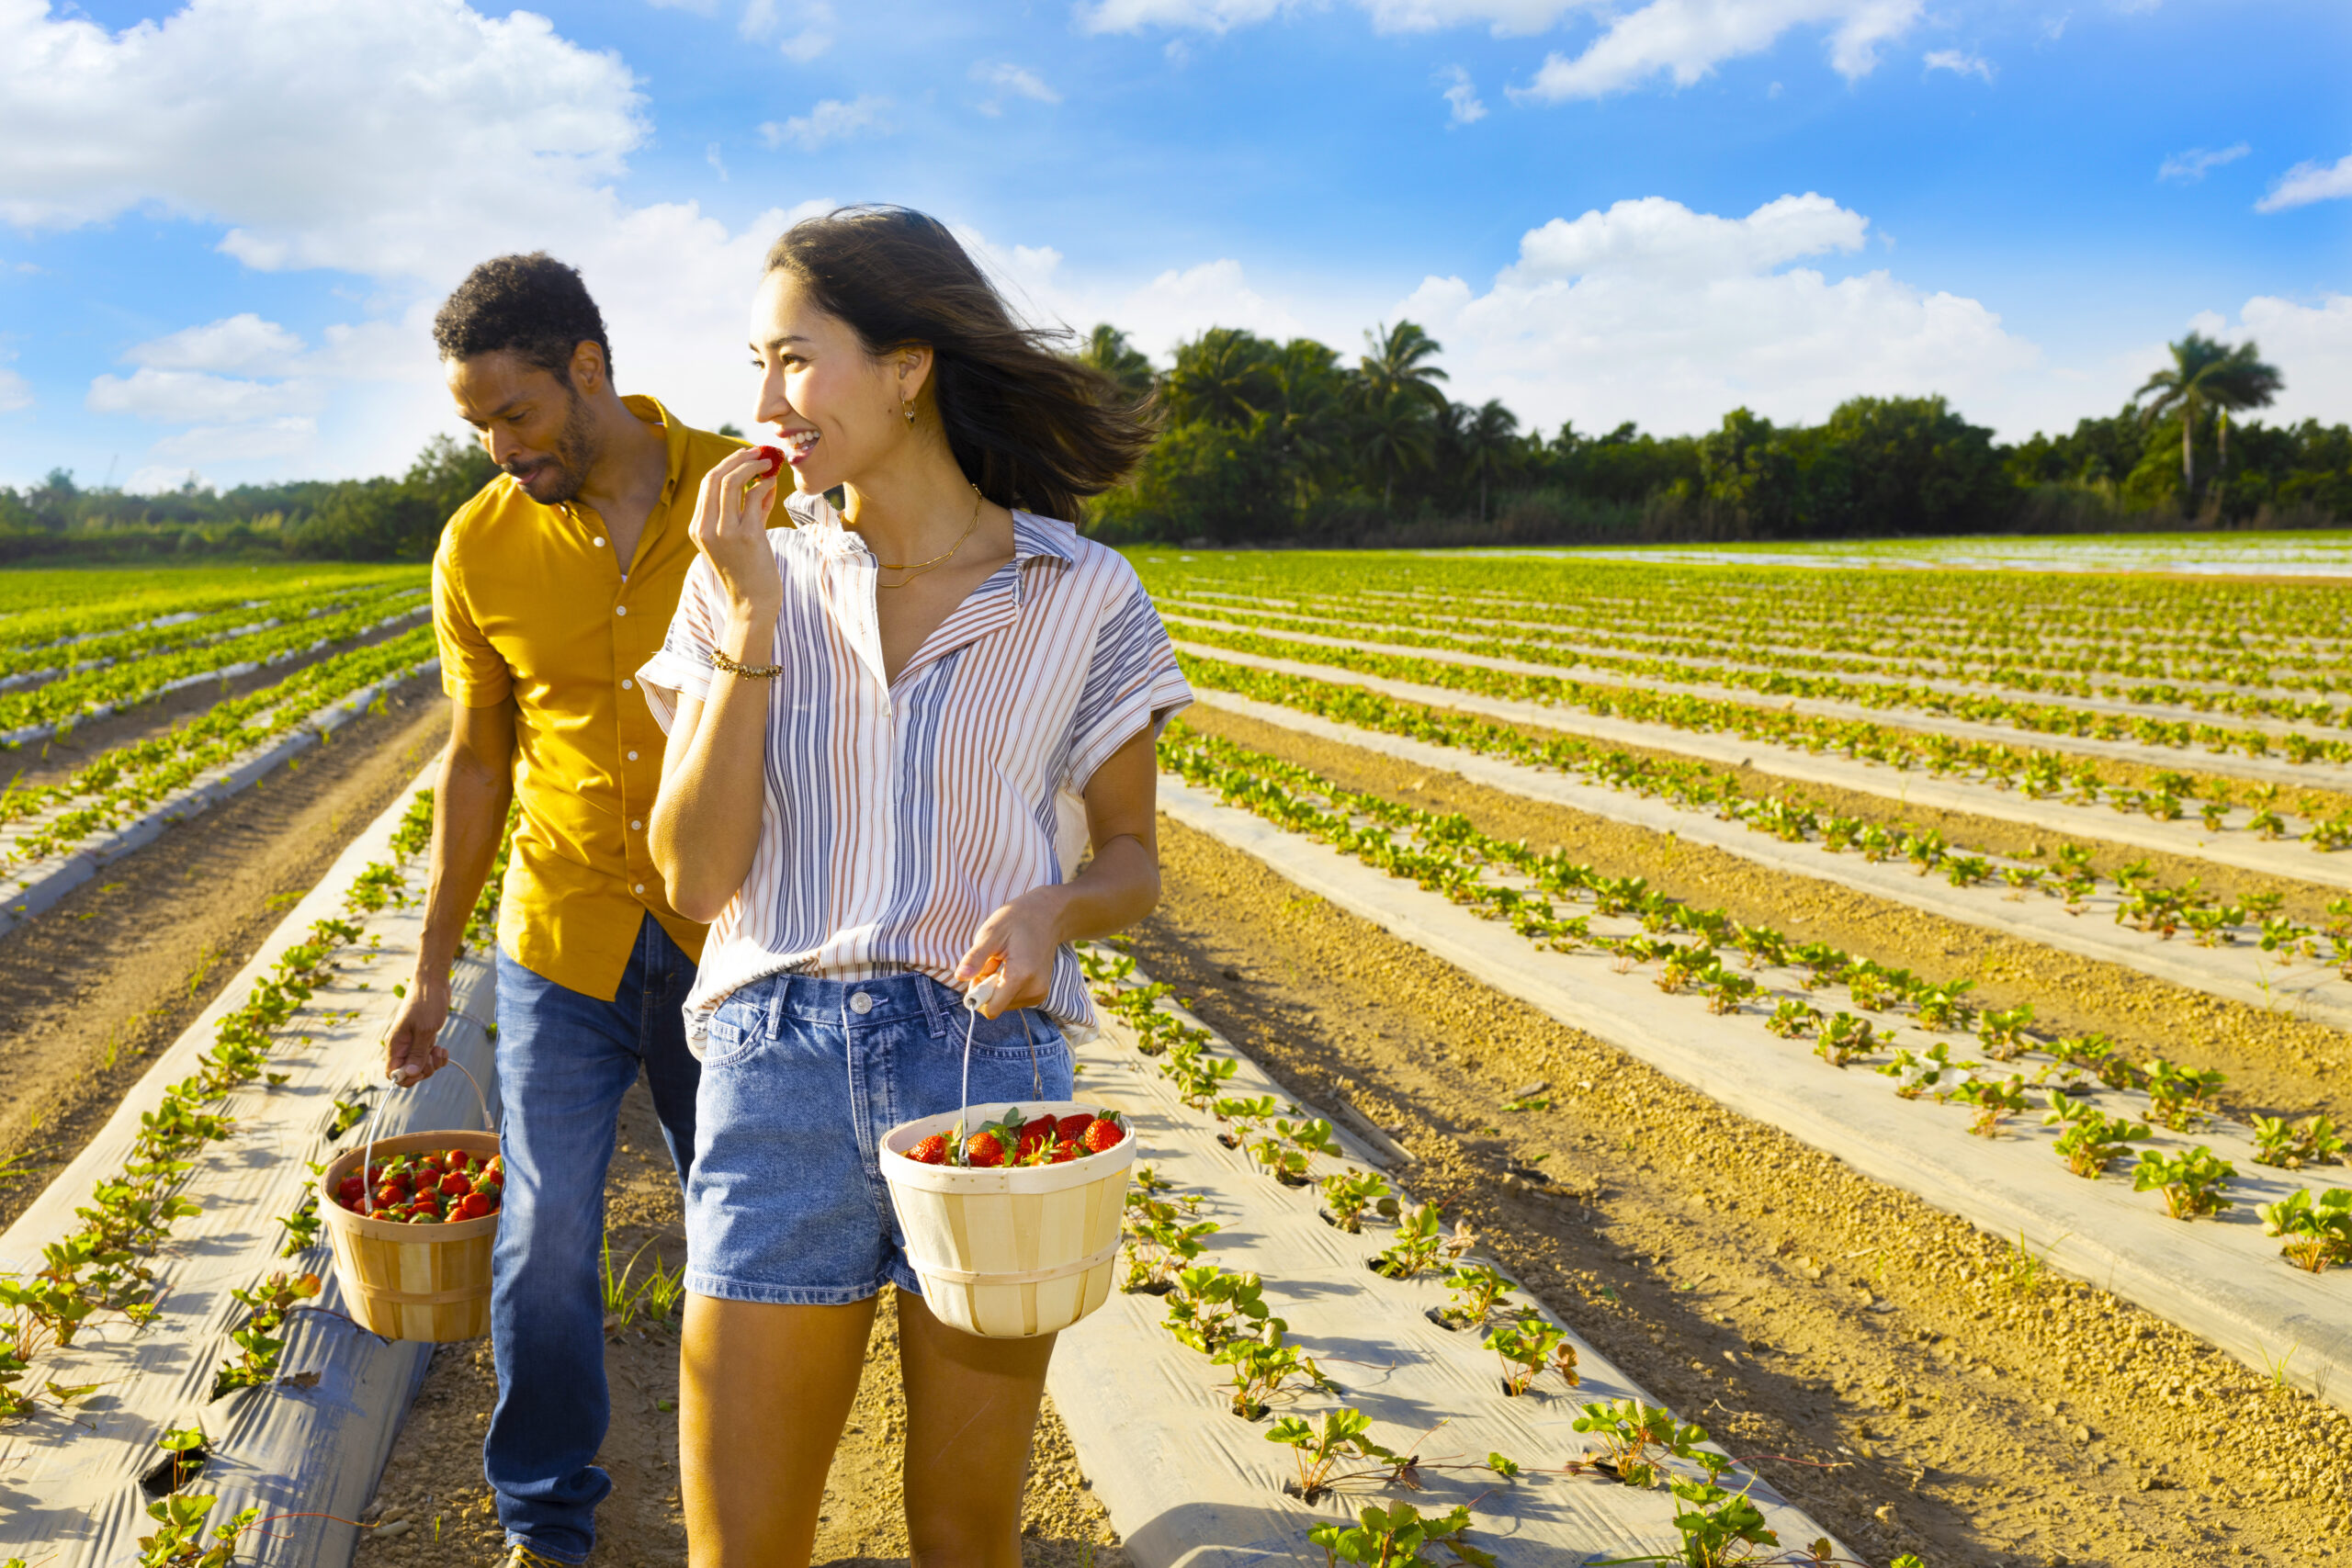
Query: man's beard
x=561 y=476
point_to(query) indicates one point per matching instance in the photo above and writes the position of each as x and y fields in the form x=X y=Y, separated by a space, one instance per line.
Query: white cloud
x=2311 y=344
x=16 y=392
x=187 y=396
x=1959 y=63
x=1654 y=312
x=239 y=443
x=2307 y=182
x=1011 y=81
x=1686 y=39
x=1461 y=96
x=815 y=35
x=1505 y=17
x=238 y=343
x=710 y=155
x=2194 y=164
x=833 y=119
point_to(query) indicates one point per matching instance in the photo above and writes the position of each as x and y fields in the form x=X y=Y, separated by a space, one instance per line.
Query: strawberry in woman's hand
x=772 y=457
x=931 y=1151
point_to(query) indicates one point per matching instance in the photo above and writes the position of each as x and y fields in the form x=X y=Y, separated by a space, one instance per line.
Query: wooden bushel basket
x=404 y=1282
x=1008 y=1253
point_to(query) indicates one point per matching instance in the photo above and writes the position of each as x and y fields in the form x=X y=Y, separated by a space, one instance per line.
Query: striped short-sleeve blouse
x=899 y=815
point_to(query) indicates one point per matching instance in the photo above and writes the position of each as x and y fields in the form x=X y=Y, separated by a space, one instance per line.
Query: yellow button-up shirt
x=530 y=602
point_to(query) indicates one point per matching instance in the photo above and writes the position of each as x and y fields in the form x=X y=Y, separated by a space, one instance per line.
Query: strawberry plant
x=2291 y=1146
x=1210 y=1307
x=2179 y=1097
x=2190 y=1184
x=1719 y=1529
x=1846 y=1038
x=2002 y=1031
x=178 y=1539
x=1530 y=1346
x=1162 y=1237
x=1349 y=1193
x=2317 y=1229
x=1792 y=1020
x=1476 y=1288
x=1420 y=1234
x=1245 y=1117
x=1944 y=1007
x=1639 y=1438
x=2092 y=1139
x=259 y=1342
x=1321 y=1448
x=1264 y=1366
x=1399 y=1537
x=1996 y=1101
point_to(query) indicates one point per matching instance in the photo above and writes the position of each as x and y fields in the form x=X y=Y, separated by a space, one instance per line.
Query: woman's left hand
x=1016 y=945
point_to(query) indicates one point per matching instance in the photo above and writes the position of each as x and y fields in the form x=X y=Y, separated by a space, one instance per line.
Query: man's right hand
x=412 y=1053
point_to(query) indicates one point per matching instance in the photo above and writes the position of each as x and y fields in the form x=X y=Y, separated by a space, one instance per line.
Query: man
x=551 y=587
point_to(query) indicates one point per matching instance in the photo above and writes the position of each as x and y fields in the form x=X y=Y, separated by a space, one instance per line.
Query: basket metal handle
x=973 y=998
x=367 y=1146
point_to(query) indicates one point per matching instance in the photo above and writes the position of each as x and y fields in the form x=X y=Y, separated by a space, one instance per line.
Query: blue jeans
x=564 y=1061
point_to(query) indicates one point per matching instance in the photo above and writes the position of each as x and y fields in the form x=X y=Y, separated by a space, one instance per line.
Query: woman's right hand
x=731 y=527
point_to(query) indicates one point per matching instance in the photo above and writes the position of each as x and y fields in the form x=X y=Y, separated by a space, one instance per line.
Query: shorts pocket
x=739 y=1028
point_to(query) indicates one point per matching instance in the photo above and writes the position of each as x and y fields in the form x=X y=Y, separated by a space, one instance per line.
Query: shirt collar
x=673 y=435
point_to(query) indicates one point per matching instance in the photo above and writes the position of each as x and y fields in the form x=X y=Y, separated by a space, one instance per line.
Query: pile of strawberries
x=439 y=1188
x=1043 y=1140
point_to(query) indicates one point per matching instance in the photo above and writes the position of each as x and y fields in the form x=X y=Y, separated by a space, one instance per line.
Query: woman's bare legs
x=971 y=1407
x=763 y=1394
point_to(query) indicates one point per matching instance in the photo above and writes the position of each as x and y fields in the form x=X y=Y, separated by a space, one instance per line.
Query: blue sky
x=223 y=228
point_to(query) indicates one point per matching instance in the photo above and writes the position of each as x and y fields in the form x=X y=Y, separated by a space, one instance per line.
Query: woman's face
x=837 y=410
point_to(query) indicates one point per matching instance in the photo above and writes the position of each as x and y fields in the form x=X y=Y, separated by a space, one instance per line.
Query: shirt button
x=636 y=826
x=620 y=609
x=640 y=887
x=624 y=683
x=632 y=756
x=861 y=1003
x=600 y=541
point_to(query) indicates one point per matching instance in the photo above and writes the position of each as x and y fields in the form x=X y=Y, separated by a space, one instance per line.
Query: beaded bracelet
x=748 y=671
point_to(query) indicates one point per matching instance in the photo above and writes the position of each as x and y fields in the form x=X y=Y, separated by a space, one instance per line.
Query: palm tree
x=2205 y=373
x=1106 y=349
x=1395 y=433
x=1225 y=376
x=1395 y=362
x=1489 y=443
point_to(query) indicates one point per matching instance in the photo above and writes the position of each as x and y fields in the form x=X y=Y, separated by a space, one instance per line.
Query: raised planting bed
x=1189 y=1482
x=274 y=1401
x=2240 y=970
x=2219 y=1276
x=51 y=853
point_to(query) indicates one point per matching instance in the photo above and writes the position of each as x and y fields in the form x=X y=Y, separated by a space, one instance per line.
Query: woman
x=870 y=719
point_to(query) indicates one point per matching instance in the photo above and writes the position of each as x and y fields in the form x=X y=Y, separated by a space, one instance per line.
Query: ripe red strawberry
x=1064 y=1151
x=389 y=1193
x=455 y=1185
x=1035 y=1136
x=1103 y=1133
x=1073 y=1124
x=350 y=1186
x=772 y=457
x=474 y=1205
x=931 y=1151
x=982 y=1148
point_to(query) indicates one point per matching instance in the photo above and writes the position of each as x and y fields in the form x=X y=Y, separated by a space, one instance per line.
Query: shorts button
x=860 y=1002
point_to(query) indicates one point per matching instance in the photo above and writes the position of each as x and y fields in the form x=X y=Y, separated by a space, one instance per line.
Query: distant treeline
x=379 y=519
x=1267 y=442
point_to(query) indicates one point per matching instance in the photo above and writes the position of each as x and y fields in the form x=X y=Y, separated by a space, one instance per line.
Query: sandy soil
x=50 y=760
x=1928 y=1388
x=116 y=970
x=2277 y=1064
x=433 y=1482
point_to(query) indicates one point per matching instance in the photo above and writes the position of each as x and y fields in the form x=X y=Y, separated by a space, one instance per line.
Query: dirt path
x=116 y=970
x=2277 y=1064
x=433 y=1481
x=50 y=761
x=1931 y=1390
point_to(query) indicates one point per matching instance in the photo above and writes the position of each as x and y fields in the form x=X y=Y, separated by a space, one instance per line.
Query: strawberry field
x=1700 y=1063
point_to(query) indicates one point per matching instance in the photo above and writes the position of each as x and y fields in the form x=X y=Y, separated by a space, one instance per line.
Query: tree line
x=1266 y=442
x=1272 y=443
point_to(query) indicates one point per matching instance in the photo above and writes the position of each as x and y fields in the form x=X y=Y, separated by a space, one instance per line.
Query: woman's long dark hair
x=1030 y=427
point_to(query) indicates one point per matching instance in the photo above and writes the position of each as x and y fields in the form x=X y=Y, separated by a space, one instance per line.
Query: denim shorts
x=800 y=1079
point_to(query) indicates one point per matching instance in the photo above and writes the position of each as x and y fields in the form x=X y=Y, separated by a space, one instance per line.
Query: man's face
x=533 y=424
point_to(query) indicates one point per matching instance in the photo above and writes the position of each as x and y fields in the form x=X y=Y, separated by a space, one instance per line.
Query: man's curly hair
x=533 y=307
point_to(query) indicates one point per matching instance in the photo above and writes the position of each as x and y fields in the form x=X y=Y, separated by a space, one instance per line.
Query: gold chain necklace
x=916 y=569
